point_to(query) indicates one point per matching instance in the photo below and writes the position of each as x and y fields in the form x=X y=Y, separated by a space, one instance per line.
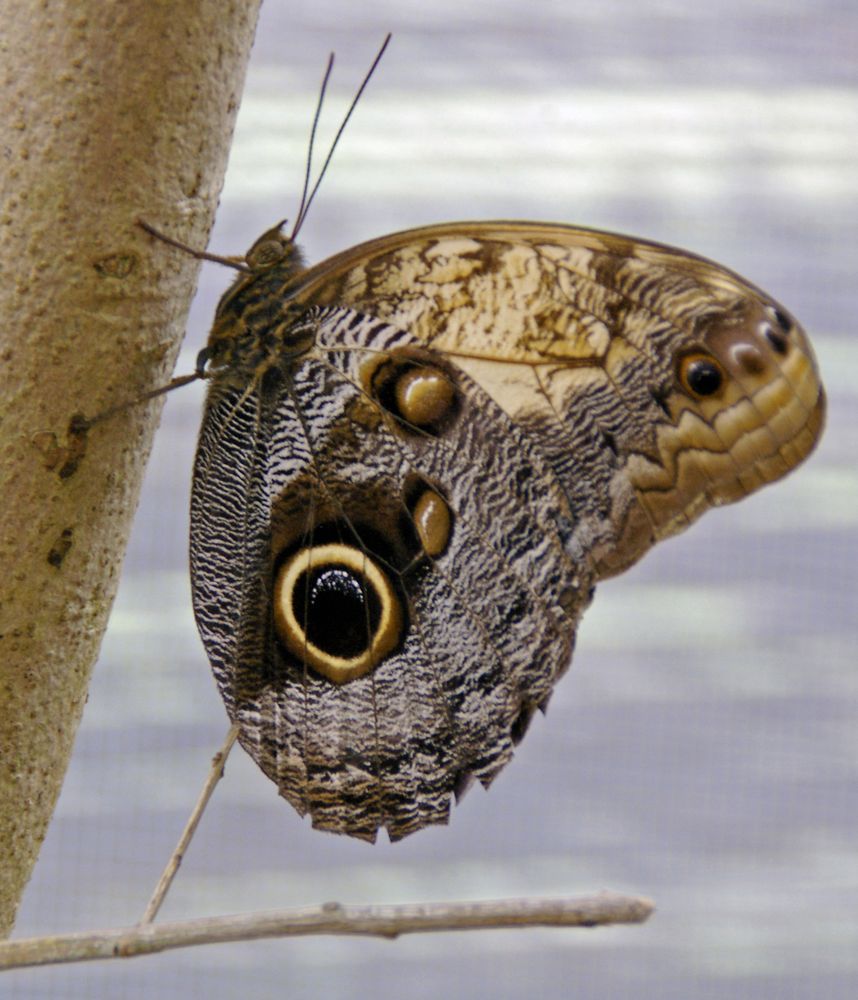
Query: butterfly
x=419 y=457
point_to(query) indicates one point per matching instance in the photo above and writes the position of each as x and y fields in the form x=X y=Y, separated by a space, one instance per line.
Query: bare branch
x=330 y=918
x=172 y=868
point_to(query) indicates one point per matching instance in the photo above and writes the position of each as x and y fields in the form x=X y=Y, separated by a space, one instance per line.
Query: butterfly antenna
x=305 y=204
x=316 y=116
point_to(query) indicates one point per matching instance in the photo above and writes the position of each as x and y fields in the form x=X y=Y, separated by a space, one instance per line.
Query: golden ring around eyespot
x=386 y=635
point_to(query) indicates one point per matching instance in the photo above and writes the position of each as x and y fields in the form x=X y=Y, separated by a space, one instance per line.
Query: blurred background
x=703 y=750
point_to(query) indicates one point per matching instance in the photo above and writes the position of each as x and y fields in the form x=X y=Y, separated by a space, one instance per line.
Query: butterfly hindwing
x=313 y=459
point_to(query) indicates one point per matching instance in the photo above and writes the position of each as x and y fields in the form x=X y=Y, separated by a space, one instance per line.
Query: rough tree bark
x=109 y=111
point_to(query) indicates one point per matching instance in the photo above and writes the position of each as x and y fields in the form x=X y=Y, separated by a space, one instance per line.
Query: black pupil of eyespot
x=777 y=340
x=704 y=377
x=339 y=610
x=782 y=320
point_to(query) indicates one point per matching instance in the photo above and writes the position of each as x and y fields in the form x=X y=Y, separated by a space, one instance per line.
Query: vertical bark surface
x=108 y=111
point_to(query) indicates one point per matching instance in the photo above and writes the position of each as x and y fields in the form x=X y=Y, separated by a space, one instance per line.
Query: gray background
x=704 y=748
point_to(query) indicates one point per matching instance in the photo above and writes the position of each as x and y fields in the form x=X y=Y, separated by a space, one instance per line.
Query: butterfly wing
x=308 y=470
x=417 y=460
x=586 y=338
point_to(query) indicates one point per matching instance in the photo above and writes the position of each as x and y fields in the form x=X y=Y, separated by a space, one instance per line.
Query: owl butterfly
x=417 y=459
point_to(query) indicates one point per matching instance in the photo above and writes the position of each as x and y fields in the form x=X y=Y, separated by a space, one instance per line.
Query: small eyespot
x=432 y=522
x=777 y=341
x=419 y=395
x=423 y=396
x=749 y=358
x=778 y=338
x=700 y=374
x=781 y=318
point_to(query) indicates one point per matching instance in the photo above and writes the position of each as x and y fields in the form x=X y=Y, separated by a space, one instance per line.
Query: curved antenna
x=316 y=116
x=305 y=204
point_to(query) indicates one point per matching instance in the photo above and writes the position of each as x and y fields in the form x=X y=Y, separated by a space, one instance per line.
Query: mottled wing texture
x=418 y=458
x=579 y=335
x=490 y=622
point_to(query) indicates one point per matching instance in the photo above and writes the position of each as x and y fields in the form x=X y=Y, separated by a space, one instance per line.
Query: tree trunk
x=110 y=111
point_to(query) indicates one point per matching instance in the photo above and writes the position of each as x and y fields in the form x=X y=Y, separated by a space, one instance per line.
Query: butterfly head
x=274 y=250
x=253 y=321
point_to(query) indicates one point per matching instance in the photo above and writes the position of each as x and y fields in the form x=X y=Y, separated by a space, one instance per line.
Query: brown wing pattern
x=419 y=456
x=548 y=317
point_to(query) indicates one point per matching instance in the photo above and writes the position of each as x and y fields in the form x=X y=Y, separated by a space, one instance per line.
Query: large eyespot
x=700 y=374
x=420 y=394
x=336 y=610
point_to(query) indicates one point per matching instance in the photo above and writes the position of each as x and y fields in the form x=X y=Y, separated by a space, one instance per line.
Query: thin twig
x=169 y=873
x=331 y=918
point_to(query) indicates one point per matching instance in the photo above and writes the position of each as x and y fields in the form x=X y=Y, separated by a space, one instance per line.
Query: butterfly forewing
x=416 y=460
x=552 y=320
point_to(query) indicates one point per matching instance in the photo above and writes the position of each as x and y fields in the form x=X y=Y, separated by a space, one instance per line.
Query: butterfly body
x=419 y=457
